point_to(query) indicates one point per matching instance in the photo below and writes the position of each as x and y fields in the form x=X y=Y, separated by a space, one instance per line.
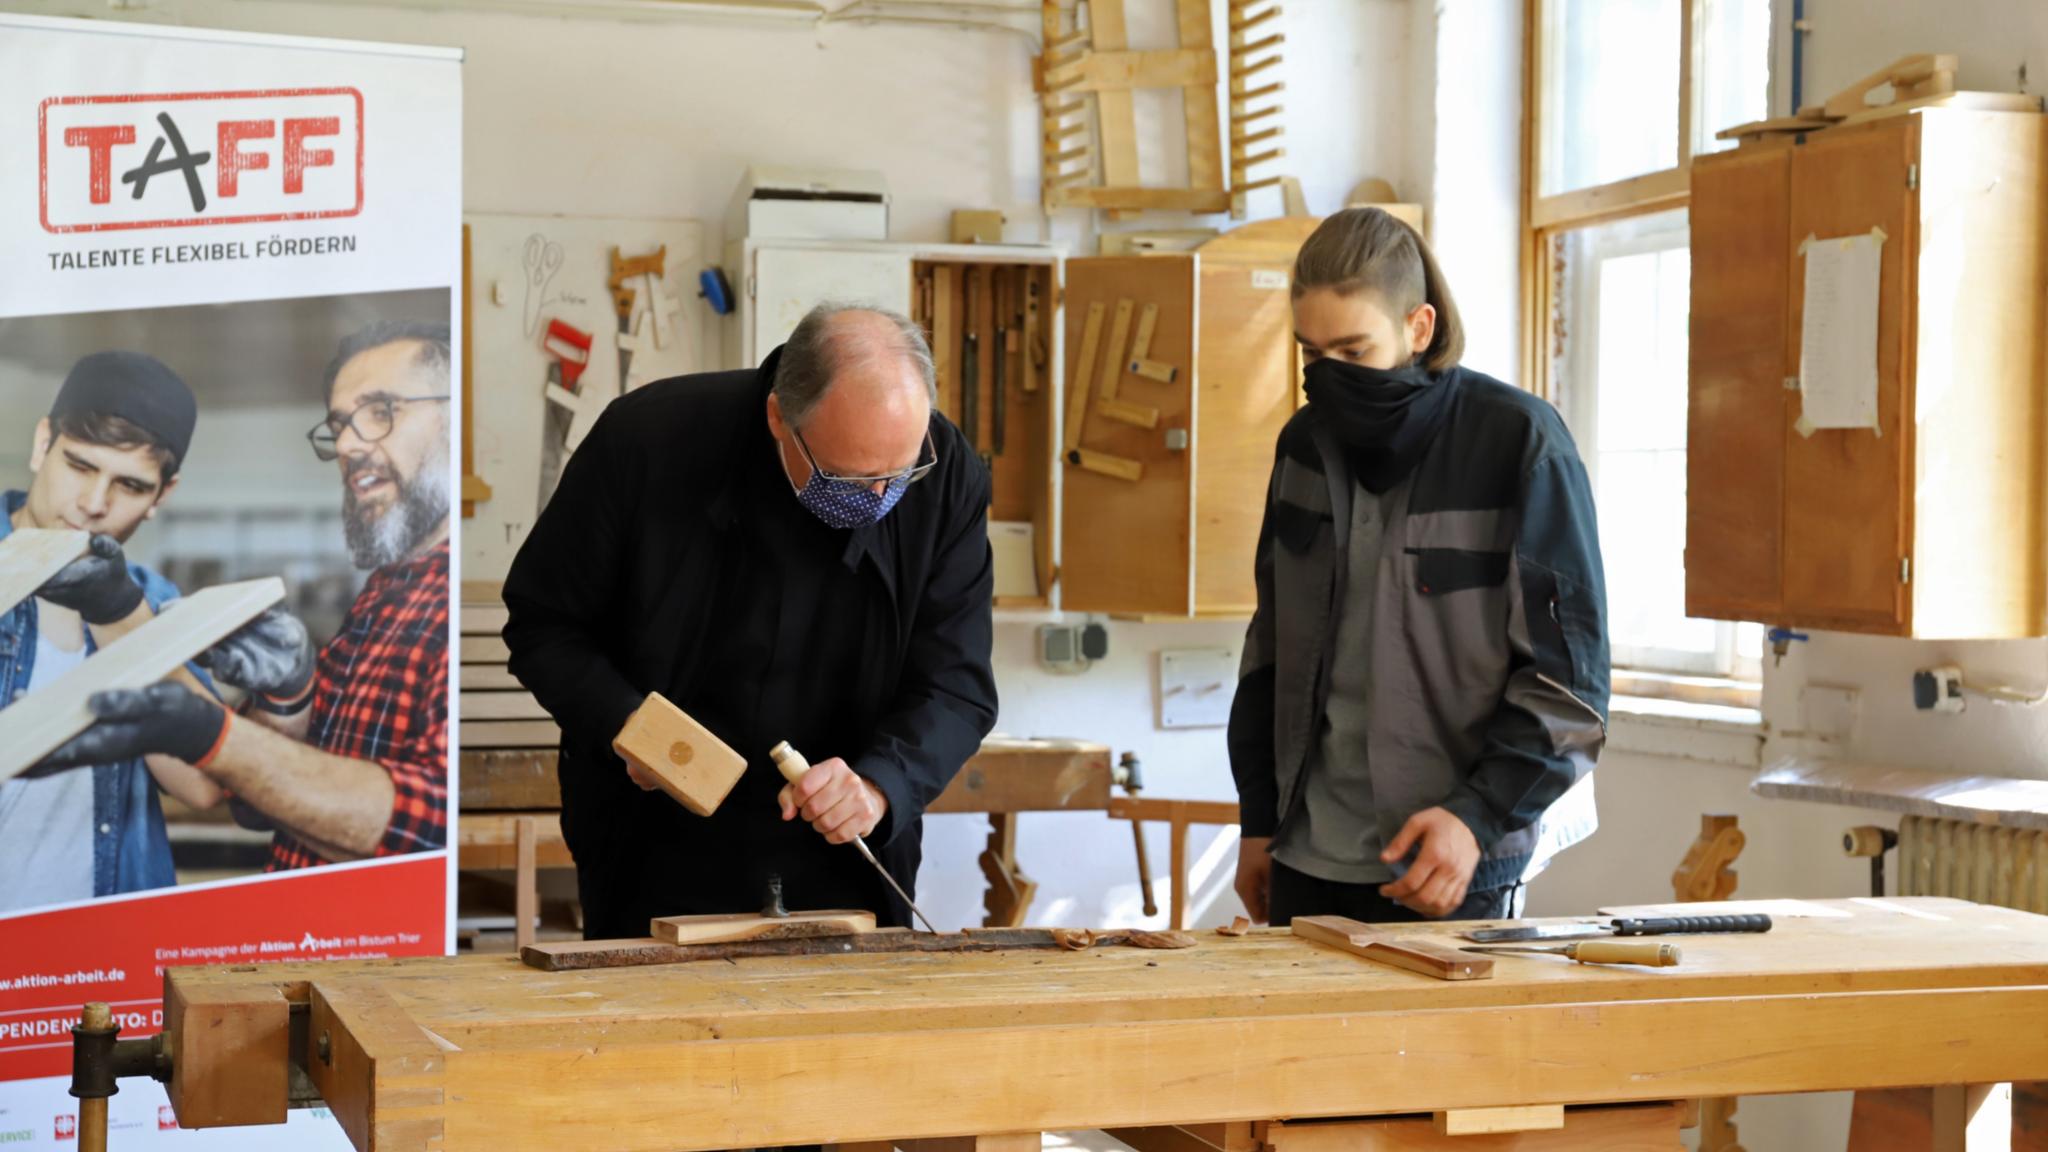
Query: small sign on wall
x=1196 y=686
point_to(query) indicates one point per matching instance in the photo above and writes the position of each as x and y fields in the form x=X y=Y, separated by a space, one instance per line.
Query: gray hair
x=814 y=355
x=434 y=340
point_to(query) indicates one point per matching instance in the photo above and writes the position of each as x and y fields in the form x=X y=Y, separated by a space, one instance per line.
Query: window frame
x=1547 y=218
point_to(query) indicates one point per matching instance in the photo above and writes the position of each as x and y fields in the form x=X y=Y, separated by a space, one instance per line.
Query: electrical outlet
x=1939 y=689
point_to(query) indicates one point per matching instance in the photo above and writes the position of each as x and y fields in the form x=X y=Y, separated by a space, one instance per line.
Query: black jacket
x=611 y=596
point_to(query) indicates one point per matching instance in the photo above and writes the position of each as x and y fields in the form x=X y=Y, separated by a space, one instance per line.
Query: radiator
x=1980 y=862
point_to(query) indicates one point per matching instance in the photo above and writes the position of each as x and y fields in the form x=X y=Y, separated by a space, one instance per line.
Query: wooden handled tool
x=1648 y=953
x=792 y=765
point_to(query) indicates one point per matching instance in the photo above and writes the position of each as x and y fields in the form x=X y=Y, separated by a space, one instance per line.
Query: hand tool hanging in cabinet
x=970 y=364
x=998 y=379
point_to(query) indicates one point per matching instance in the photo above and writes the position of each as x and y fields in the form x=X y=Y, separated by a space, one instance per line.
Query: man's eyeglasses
x=372 y=421
x=927 y=460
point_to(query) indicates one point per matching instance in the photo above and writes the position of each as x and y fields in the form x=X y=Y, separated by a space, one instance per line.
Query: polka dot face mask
x=852 y=501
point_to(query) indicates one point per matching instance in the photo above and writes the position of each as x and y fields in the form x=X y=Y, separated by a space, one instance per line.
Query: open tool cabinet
x=1141 y=396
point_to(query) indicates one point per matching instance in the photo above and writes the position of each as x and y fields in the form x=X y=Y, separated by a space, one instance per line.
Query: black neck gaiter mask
x=1383 y=419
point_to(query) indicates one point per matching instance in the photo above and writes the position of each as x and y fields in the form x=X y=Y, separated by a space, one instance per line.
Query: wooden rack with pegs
x=1254 y=50
x=1096 y=62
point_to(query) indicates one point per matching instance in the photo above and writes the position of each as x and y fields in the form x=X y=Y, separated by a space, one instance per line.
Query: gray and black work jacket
x=1489 y=656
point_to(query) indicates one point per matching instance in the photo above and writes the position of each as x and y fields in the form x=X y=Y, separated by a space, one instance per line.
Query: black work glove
x=96 y=585
x=271 y=656
x=168 y=719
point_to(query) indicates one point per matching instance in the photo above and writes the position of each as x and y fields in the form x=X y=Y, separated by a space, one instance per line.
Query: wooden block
x=1120 y=467
x=1410 y=953
x=1139 y=415
x=508 y=734
x=1490 y=1121
x=30 y=556
x=1148 y=320
x=34 y=726
x=1154 y=370
x=230 y=1051
x=1084 y=377
x=1123 y=71
x=720 y=929
x=692 y=765
x=1113 y=360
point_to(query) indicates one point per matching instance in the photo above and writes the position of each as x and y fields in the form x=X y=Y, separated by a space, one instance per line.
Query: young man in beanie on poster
x=103 y=461
x=344 y=752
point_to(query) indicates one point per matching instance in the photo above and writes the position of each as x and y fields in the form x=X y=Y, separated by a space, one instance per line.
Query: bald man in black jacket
x=794 y=553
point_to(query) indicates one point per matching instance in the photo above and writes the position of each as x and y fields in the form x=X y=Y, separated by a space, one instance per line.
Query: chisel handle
x=1649 y=953
x=1692 y=925
x=789 y=761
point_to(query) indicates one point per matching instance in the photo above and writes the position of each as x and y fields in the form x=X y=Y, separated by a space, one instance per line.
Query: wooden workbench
x=482 y=1052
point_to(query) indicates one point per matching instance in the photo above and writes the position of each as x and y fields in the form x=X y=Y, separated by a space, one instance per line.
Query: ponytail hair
x=1370 y=250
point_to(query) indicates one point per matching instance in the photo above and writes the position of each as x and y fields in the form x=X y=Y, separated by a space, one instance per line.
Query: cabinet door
x=1735 y=414
x=1250 y=382
x=1846 y=490
x=1126 y=513
x=789 y=282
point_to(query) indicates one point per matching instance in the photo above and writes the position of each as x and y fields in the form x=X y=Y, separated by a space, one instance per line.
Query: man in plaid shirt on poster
x=344 y=754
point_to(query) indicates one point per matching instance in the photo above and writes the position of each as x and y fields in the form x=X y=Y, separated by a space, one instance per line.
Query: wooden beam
x=1414 y=954
x=1240 y=94
x=1113 y=359
x=1198 y=105
x=30 y=556
x=36 y=725
x=1115 y=113
x=1105 y=464
x=1634 y=196
x=726 y=928
x=1084 y=376
x=1273 y=41
x=646 y=1095
x=1256 y=137
x=1149 y=199
x=1125 y=412
x=1123 y=71
x=508 y=734
x=501 y=706
x=1245 y=24
x=502 y=778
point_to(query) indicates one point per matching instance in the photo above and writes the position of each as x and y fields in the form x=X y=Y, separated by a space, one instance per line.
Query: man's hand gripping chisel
x=792 y=765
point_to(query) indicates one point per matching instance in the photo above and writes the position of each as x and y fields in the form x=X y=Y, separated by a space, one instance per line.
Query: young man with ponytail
x=1424 y=685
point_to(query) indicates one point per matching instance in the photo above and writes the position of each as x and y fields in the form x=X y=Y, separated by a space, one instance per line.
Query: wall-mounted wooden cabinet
x=1936 y=523
x=1144 y=473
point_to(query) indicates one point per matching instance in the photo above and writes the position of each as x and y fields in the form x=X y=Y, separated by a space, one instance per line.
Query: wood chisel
x=792 y=765
x=1648 y=953
x=1655 y=926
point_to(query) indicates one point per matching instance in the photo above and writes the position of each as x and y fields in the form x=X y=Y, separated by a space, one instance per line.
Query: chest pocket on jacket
x=1441 y=571
x=1296 y=526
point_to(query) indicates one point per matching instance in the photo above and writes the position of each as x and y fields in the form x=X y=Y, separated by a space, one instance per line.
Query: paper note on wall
x=1838 y=333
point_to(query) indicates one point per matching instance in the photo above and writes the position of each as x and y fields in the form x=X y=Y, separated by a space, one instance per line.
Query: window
x=1621 y=384
x=1623 y=93
x=1611 y=104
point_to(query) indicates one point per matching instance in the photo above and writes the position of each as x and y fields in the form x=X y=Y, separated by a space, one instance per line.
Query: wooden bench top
x=485 y=1052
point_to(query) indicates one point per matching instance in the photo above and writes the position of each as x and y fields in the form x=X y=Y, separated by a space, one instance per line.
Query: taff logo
x=184 y=159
